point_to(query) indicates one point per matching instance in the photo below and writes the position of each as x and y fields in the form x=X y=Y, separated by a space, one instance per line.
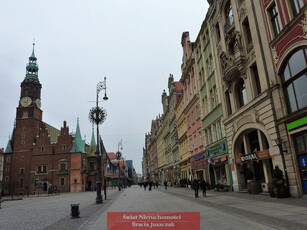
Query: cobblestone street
x=219 y=210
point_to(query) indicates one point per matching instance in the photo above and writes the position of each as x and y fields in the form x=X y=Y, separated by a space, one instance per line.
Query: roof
x=54 y=133
x=79 y=144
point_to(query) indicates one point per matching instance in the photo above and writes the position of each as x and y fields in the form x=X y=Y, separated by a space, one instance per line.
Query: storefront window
x=300 y=144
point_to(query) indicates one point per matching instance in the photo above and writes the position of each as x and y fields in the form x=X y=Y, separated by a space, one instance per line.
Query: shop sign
x=199 y=157
x=249 y=157
x=254 y=156
x=217 y=149
x=262 y=155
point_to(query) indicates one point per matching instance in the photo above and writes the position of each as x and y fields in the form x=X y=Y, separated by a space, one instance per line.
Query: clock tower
x=30 y=101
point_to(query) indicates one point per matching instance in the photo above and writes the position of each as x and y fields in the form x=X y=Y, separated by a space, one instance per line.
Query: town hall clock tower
x=30 y=101
x=29 y=113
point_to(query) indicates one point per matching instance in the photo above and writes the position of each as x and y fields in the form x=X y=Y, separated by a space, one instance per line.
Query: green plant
x=219 y=187
x=277 y=177
x=249 y=174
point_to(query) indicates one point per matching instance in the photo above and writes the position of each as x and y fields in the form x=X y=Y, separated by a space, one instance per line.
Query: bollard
x=75 y=210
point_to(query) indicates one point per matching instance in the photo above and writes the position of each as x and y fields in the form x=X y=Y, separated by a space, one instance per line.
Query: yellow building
x=184 y=153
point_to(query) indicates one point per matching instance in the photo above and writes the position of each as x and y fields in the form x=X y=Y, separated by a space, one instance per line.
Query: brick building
x=38 y=156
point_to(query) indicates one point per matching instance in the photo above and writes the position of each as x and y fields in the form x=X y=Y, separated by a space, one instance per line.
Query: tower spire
x=32 y=68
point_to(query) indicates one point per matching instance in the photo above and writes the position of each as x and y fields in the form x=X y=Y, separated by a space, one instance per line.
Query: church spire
x=79 y=144
x=93 y=142
x=32 y=68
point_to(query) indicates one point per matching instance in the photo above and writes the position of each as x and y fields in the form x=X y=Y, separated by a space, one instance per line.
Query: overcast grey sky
x=134 y=43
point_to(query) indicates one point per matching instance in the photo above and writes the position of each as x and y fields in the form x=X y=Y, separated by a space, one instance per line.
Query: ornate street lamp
x=98 y=115
x=118 y=156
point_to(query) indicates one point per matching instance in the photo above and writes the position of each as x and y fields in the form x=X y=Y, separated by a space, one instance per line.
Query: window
x=62 y=181
x=22 y=170
x=218 y=33
x=7 y=179
x=295 y=80
x=248 y=35
x=75 y=181
x=220 y=128
x=228 y=13
x=64 y=147
x=210 y=135
x=256 y=80
x=242 y=93
x=41 y=169
x=207 y=136
x=192 y=116
x=195 y=145
x=7 y=168
x=296 y=5
x=274 y=18
x=211 y=63
x=43 y=149
x=91 y=165
x=206 y=105
x=8 y=159
x=216 y=95
x=63 y=166
x=200 y=138
x=215 y=133
x=197 y=112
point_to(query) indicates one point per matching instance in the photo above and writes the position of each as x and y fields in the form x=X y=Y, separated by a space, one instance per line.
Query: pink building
x=192 y=109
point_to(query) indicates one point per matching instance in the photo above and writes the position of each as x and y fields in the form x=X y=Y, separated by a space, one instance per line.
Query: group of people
x=200 y=184
x=196 y=185
x=149 y=184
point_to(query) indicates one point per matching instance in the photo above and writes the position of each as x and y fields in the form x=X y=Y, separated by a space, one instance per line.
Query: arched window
x=228 y=13
x=242 y=97
x=294 y=78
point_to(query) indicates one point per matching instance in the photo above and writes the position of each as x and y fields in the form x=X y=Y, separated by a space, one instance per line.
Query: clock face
x=38 y=103
x=25 y=101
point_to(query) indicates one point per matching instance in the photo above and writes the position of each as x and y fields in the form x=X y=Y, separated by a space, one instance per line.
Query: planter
x=271 y=190
x=280 y=191
x=254 y=187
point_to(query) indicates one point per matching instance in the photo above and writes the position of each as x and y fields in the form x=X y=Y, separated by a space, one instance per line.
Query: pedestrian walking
x=204 y=186
x=165 y=184
x=195 y=187
x=145 y=185
x=157 y=184
x=150 y=185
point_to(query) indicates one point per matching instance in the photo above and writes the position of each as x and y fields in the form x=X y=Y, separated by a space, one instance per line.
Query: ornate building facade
x=286 y=27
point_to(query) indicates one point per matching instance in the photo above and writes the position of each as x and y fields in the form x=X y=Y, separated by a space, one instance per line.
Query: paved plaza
x=219 y=210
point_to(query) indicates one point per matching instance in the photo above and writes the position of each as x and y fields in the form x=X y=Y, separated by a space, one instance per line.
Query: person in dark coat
x=150 y=185
x=165 y=184
x=204 y=186
x=145 y=185
x=195 y=187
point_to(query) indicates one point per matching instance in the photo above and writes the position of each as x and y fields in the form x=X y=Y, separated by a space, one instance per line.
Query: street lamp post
x=98 y=115
x=282 y=151
x=118 y=156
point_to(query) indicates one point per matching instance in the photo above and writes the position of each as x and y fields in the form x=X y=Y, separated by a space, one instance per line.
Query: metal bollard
x=75 y=210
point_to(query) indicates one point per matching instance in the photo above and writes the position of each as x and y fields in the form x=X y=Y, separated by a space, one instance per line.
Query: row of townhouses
x=241 y=101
